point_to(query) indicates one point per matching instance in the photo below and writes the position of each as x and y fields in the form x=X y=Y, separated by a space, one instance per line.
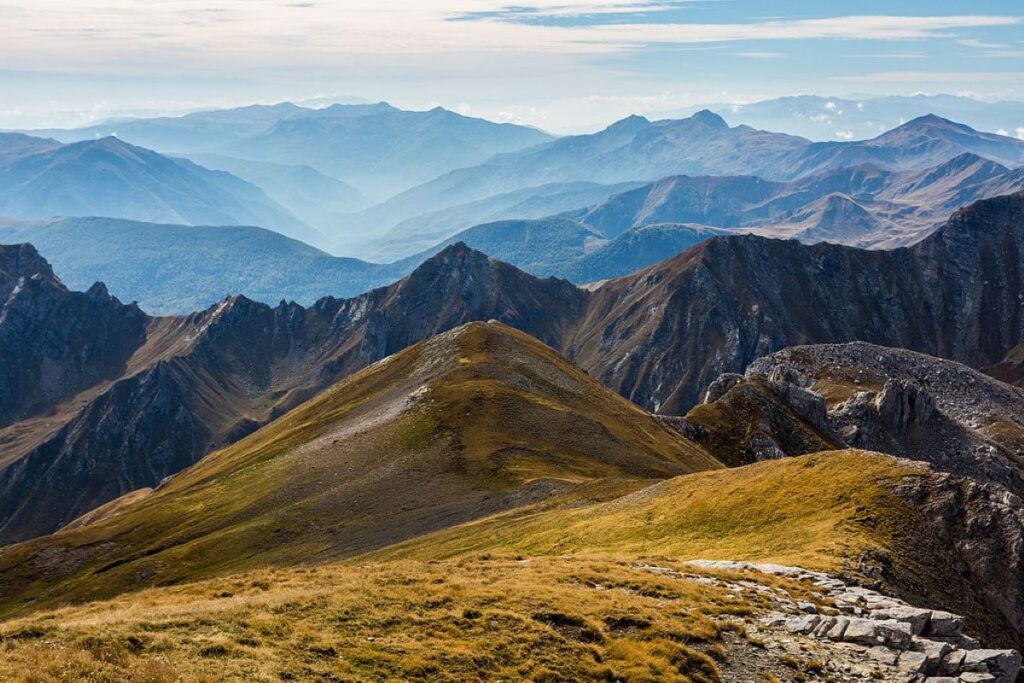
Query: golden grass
x=481 y=618
x=556 y=591
x=814 y=511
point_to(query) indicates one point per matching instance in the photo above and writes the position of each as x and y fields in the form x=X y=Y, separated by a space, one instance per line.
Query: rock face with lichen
x=903 y=403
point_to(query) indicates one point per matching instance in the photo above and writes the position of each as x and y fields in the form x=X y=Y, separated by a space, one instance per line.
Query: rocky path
x=848 y=633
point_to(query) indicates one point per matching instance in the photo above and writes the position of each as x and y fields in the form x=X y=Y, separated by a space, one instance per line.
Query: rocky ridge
x=190 y=384
x=662 y=335
x=657 y=337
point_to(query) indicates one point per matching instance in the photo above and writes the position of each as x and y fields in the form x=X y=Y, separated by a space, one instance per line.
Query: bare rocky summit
x=903 y=403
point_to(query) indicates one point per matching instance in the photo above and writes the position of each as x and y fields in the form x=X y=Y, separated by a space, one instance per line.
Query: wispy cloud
x=273 y=34
x=540 y=11
x=1004 y=54
x=501 y=51
x=971 y=42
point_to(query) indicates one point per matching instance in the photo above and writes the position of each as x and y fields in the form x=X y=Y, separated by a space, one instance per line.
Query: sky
x=562 y=65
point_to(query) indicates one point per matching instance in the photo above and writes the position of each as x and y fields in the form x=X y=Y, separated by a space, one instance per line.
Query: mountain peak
x=456 y=253
x=969 y=160
x=932 y=122
x=710 y=119
x=22 y=261
x=634 y=122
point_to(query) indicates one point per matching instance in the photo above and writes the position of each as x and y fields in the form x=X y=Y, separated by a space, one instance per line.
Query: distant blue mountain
x=377 y=148
x=109 y=177
x=317 y=199
x=860 y=118
x=383 y=150
x=172 y=269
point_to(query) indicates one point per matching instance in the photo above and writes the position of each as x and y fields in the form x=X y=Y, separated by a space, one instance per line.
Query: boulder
x=721 y=386
x=917 y=618
x=912 y=662
x=895 y=634
x=1003 y=664
x=933 y=650
x=883 y=655
x=803 y=624
x=977 y=677
x=952 y=662
x=944 y=624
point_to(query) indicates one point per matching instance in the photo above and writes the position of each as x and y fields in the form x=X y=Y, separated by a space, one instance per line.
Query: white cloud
x=1002 y=131
x=844 y=134
x=562 y=10
x=1020 y=132
x=180 y=35
x=971 y=42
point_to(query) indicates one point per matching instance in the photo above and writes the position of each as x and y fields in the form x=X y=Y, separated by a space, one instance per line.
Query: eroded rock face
x=55 y=342
x=906 y=404
x=960 y=422
x=903 y=405
x=984 y=523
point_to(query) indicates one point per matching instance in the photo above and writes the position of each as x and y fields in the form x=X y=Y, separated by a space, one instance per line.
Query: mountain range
x=861 y=206
x=481 y=441
x=108 y=177
x=173 y=269
x=475 y=460
x=657 y=337
x=832 y=118
x=377 y=148
x=636 y=149
x=887 y=191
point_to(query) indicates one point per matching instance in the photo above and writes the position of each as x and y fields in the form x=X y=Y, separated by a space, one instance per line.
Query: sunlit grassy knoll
x=817 y=511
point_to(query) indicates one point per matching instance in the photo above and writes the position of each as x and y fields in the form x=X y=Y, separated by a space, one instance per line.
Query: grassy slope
x=816 y=511
x=473 y=422
x=581 y=608
x=481 y=618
